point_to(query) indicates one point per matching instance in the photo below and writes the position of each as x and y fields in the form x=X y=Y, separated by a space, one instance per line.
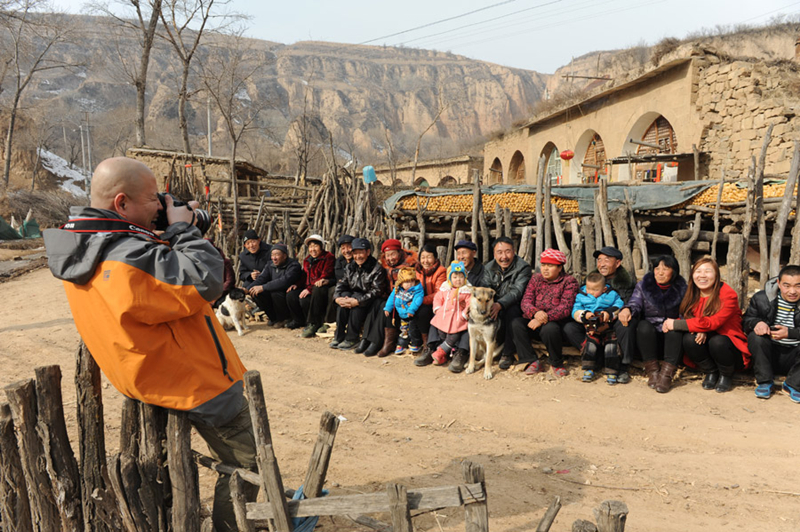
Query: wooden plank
x=549 y=516
x=577 y=247
x=419 y=499
x=321 y=456
x=540 y=229
x=152 y=462
x=15 y=508
x=115 y=477
x=451 y=242
x=22 y=400
x=398 y=508
x=273 y=485
x=182 y=474
x=129 y=428
x=783 y=215
x=558 y=229
x=476 y=513
x=57 y=451
x=611 y=516
x=206 y=461
x=477 y=208
x=240 y=503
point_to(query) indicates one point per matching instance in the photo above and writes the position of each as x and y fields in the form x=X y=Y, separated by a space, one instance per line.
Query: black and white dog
x=231 y=313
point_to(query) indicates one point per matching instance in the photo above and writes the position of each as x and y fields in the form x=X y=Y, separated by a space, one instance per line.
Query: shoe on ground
x=348 y=344
x=335 y=344
x=415 y=348
x=310 y=331
x=506 y=362
x=399 y=350
x=611 y=379
x=764 y=391
x=623 y=378
x=323 y=329
x=794 y=395
x=373 y=349
x=424 y=359
x=362 y=346
x=439 y=357
x=710 y=381
x=276 y=324
x=560 y=372
x=293 y=324
x=459 y=361
x=533 y=368
x=588 y=375
x=724 y=384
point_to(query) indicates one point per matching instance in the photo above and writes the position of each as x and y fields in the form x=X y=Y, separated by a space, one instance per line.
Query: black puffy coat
x=280 y=278
x=249 y=262
x=364 y=283
x=764 y=307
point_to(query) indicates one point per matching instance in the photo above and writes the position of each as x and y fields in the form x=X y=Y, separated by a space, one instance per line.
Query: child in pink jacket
x=449 y=323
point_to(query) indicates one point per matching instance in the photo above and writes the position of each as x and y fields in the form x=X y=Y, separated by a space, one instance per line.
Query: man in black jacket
x=253 y=259
x=345 y=257
x=270 y=287
x=364 y=283
x=466 y=252
x=772 y=325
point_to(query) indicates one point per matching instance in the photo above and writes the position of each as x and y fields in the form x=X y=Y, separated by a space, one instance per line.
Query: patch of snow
x=242 y=95
x=81 y=74
x=86 y=102
x=73 y=179
x=45 y=82
x=304 y=82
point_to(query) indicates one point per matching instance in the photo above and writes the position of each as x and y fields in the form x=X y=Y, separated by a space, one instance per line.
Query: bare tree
x=142 y=18
x=441 y=109
x=29 y=37
x=177 y=16
x=39 y=133
x=228 y=74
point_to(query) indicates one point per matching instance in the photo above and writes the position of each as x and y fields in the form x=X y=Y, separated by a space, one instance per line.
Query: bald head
x=118 y=175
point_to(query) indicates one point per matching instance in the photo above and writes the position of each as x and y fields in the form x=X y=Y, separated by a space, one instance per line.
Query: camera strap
x=107 y=225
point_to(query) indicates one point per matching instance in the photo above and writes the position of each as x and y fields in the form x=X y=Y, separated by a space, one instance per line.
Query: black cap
x=281 y=247
x=250 y=235
x=361 y=243
x=345 y=239
x=608 y=251
x=467 y=244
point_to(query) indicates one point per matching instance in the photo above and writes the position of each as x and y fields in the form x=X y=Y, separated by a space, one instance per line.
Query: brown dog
x=483 y=346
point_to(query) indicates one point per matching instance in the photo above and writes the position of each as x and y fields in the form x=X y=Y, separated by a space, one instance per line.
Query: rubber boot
x=373 y=349
x=725 y=382
x=651 y=370
x=362 y=346
x=712 y=373
x=390 y=335
x=664 y=378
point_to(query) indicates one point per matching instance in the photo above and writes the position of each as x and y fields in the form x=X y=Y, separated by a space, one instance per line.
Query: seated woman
x=655 y=298
x=710 y=332
x=431 y=275
x=308 y=301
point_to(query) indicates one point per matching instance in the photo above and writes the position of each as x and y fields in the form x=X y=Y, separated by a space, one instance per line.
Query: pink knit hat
x=553 y=256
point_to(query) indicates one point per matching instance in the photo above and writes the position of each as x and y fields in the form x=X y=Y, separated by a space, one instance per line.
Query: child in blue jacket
x=597 y=307
x=405 y=299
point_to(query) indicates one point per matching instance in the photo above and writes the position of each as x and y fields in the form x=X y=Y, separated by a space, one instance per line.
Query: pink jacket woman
x=450 y=308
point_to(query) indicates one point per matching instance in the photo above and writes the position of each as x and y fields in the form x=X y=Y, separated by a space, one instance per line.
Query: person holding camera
x=140 y=295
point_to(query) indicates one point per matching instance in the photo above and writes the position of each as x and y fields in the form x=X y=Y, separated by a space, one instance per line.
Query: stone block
x=747 y=122
x=759 y=121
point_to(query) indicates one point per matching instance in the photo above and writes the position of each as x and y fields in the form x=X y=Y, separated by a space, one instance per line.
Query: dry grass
x=51 y=209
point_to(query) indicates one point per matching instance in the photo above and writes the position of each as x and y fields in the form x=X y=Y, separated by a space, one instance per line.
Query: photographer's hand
x=179 y=214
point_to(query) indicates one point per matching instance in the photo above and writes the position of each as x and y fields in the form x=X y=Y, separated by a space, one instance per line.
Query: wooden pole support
x=58 y=455
x=476 y=514
x=398 y=508
x=183 y=474
x=273 y=484
x=14 y=505
x=583 y=526
x=240 y=503
x=549 y=516
x=611 y=516
x=22 y=399
x=321 y=456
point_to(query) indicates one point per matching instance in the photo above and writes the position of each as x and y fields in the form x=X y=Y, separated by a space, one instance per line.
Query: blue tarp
x=651 y=196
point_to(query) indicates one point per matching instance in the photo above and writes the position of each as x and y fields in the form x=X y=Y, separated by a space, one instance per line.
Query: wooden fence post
x=58 y=455
x=611 y=516
x=398 y=508
x=183 y=474
x=14 y=505
x=476 y=515
x=44 y=513
x=239 y=503
x=737 y=250
x=583 y=526
x=321 y=456
x=152 y=461
x=549 y=516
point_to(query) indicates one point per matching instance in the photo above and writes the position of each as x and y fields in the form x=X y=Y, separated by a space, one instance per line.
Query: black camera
x=202 y=220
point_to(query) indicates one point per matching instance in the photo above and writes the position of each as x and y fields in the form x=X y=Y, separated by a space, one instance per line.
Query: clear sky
x=538 y=35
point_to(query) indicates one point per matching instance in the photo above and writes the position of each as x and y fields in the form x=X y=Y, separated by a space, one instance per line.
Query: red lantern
x=567 y=155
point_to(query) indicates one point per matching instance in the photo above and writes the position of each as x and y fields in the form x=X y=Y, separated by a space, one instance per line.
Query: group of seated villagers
x=409 y=301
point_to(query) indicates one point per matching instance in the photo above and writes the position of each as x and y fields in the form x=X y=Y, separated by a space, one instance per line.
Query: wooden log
x=418 y=499
x=583 y=526
x=547 y=211
x=539 y=213
x=558 y=229
x=681 y=249
x=696 y=160
x=321 y=456
x=451 y=242
x=576 y=244
x=398 y=508
x=783 y=215
x=129 y=430
x=608 y=232
x=611 y=516
x=118 y=486
x=476 y=514
x=794 y=252
x=57 y=451
x=369 y=522
x=152 y=462
x=421 y=226
x=210 y=463
x=137 y=493
x=736 y=251
x=716 y=216
x=498 y=220
x=182 y=473
x=619 y=220
x=44 y=512
x=598 y=224
x=527 y=244
x=240 y=503
x=476 y=205
x=549 y=516
x=587 y=230
x=763 y=242
x=15 y=508
x=638 y=235
x=487 y=248
x=747 y=227
x=508 y=229
x=313 y=204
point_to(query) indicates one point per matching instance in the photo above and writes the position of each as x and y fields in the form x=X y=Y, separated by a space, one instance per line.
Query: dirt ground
x=690 y=460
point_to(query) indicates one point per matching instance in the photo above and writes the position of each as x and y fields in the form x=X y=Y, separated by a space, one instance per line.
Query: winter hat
x=608 y=251
x=553 y=256
x=281 y=247
x=467 y=244
x=405 y=274
x=456 y=267
x=250 y=235
x=345 y=239
x=315 y=238
x=361 y=243
x=391 y=244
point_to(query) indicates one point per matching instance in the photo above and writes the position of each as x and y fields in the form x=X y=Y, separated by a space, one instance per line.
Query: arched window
x=552 y=164
x=448 y=181
x=495 y=172
x=594 y=162
x=516 y=170
x=421 y=182
x=661 y=134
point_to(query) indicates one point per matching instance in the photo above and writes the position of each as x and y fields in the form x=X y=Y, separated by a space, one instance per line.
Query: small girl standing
x=449 y=323
x=406 y=298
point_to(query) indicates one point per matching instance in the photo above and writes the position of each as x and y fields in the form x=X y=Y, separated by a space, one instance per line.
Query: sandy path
x=690 y=460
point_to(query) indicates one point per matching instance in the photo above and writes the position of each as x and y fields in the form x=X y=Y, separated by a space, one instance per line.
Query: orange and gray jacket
x=143 y=307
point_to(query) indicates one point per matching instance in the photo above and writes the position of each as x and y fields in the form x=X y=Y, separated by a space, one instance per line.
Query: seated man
x=253 y=259
x=772 y=325
x=141 y=302
x=270 y=287
x=508 y=275
x=466 y=252
x=362 y=290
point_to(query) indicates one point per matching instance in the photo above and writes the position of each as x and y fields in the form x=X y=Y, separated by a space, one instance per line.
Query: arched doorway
x=552 y=169
x=447 y=181
x=495 y=172
x=516 y=169
x=650 y=130
x=421 y=182
x=591 y=151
